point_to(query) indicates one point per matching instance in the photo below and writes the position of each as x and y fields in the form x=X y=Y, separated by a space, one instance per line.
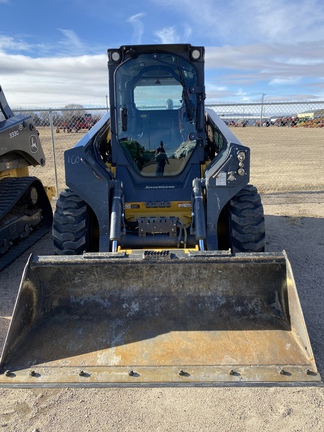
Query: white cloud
x=244 y=22
x=56 y=82
x=284 y=81
x=138 y=27
x=9 y=43
x=276 y=59
x=231 y=72
x=70 y=44
x=71 y=38
x=167 y=35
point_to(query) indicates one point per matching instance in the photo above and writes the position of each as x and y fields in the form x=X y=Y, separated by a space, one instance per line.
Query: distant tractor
x=25 y=208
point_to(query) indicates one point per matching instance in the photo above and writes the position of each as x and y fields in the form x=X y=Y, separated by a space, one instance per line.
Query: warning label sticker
x=221 y=179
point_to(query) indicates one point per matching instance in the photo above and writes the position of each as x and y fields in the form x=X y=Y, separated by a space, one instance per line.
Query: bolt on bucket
x=157 y=318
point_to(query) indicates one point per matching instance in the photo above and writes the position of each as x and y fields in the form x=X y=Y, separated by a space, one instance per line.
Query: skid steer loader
x=161 y=276
x=25 y=210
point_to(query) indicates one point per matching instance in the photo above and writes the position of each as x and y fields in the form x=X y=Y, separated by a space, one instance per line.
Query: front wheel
x=72 y=229
x=246 y=221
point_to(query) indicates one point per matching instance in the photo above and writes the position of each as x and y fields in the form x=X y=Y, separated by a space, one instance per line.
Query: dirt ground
x=294 y=222
x=282 y=158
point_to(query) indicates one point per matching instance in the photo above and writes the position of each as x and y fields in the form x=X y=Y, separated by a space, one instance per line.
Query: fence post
x=53 y=152
x=261 y=115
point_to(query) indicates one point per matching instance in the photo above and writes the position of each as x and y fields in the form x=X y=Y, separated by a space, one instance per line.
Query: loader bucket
x=157 y=318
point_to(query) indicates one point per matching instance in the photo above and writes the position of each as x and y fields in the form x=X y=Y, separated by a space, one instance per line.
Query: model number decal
x=13 y=134
x=73 y=159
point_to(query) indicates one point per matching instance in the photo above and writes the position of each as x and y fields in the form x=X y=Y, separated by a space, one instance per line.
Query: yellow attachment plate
x=180 y=210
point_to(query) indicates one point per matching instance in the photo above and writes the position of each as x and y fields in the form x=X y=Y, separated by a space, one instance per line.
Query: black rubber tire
x=246 y=221
x=71 y=224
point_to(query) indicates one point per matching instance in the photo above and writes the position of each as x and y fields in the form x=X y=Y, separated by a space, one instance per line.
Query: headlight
x=241 y=156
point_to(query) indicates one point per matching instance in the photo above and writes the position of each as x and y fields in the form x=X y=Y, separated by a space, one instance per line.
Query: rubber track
x=11 y=191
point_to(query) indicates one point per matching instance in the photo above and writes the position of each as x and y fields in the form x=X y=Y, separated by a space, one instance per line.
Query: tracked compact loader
x=25 y=210
x=161 y=277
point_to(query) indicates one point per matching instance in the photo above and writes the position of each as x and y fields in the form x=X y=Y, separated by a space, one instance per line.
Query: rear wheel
x=246 y=221
x=72 y=227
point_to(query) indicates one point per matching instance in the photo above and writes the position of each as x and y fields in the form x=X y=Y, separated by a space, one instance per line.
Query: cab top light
x=195 y=54
x=115 y=56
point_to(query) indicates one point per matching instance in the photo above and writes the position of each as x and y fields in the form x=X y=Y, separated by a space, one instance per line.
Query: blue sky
x=54 y=53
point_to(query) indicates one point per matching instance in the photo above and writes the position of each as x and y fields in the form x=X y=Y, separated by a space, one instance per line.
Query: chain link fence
x=286 y=141
x=60 y=130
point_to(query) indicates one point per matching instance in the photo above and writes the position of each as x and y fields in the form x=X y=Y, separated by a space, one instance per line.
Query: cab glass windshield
x=156 y=113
